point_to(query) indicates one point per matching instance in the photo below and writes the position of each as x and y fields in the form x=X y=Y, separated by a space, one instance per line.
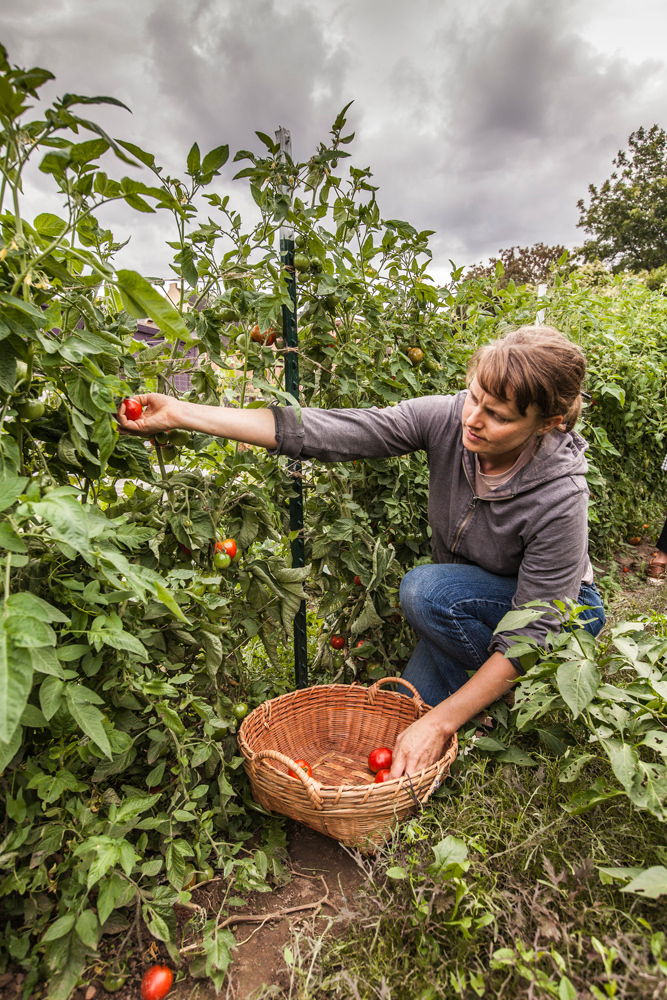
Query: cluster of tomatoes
x=379 y=761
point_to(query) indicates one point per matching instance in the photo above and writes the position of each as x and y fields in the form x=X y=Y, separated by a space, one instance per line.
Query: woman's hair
x=533 y=365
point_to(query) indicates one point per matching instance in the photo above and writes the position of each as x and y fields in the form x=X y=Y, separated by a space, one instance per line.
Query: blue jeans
x=454 y=609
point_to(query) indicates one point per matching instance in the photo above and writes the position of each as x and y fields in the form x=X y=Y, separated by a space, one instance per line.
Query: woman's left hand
x=418 y=746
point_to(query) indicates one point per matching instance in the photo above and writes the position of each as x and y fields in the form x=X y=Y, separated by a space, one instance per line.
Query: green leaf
x=15 y=685
x=451 y=857
x=514 y=620
x=89 y=719
x=11 y=489
x=175 y=865
x=59 y=928
x=194 y=159
x=109 y=893
x=86 y=928
x=9 y=750
x=651 y=883
x=369 y=618
x=397 y=872
x=577 y=682
x=141 y=299
x=215 y=159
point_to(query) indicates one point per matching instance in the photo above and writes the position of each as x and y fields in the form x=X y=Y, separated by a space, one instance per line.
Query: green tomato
x=180 y=439
x=169 y=453
x=162 y=437
x=301 y=263
x=237 y=557
x=21 y=371
x=31 y=410
x=228 y=315
x=206 y=874
x=240 y=711
x=198 y=588
x=243 y=341
x=113 y=983
x=221 y=560
x=300 y=241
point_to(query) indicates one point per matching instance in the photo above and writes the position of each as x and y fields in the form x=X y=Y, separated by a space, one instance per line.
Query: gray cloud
x=484 y=121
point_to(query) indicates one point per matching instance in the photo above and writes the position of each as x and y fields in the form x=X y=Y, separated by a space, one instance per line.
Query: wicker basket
x=334 y=727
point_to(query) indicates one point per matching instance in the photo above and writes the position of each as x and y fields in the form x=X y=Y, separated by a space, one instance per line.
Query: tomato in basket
x=379 y=759
x=382 y=775
x=304 y=765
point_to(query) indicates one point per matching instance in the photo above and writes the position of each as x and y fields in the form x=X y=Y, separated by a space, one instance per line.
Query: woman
x=507 y=509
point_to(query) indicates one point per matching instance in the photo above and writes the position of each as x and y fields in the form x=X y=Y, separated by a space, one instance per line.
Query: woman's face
x=492 y=428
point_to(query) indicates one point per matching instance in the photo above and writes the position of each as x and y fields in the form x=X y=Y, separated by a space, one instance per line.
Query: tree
x=522 y=265
x=627 y=215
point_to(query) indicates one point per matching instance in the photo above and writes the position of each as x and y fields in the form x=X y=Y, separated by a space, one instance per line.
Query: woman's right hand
x=160 y=413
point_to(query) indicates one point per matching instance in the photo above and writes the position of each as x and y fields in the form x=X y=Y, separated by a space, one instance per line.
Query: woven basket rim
x=450 y=750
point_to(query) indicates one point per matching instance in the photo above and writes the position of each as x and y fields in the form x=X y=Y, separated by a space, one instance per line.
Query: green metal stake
x=291 y=338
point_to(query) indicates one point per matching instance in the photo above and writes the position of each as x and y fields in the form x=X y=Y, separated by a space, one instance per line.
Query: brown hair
x=533 y=365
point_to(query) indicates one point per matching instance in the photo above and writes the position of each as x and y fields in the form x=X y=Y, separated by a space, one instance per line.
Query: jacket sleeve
x=343 y=435
x=553 y=566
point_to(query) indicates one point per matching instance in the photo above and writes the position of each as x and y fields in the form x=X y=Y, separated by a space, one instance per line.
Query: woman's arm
x=420 y=745
x=164 y=413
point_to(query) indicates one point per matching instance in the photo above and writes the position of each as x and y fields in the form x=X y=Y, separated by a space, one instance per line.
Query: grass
x=534 y=918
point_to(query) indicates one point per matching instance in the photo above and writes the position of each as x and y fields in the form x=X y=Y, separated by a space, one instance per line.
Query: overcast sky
x=484 y=120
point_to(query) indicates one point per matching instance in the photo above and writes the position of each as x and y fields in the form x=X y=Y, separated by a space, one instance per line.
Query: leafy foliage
x=522 y=265
x=626 y=214
x=122 y=650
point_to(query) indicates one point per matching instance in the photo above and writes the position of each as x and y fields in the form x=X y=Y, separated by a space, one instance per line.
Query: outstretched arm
x=164 y=413
x=420 y=745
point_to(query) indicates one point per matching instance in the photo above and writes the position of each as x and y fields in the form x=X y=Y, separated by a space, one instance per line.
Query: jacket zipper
x=472 y=505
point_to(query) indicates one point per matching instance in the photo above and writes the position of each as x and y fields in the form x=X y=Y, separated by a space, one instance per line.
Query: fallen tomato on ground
x=379 y=759
x=304 y=765
x=156 y=982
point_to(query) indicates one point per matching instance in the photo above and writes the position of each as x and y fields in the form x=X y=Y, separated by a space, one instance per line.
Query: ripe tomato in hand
x=382 y=775
x=304 y=765
x=156 y=982
x=227 y=545
x=337 y=641
x=133 y=409
x=379 y=759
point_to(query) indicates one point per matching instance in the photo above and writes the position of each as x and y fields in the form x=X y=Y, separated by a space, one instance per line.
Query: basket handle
x=310 y=784
x=420 y=704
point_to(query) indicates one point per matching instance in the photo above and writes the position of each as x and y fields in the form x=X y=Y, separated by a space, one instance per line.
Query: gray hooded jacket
x=535 y=527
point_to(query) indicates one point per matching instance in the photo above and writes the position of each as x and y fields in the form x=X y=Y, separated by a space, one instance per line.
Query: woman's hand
x=418 y=746
x=160 y=414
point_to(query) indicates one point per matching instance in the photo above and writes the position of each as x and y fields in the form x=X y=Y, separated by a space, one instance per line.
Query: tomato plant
x=156 y=982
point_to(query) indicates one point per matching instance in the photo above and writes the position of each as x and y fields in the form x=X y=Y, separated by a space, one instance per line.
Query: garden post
x=291 y=339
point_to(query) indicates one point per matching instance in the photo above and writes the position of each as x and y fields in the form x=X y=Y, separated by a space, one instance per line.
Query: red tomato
x=156 y=982
x=304 y=765
x=227 y=545
x=338 y=641
x=133 y=409
x=382 y=775
x=357 y=581
x=262 y=338
x=380 y=759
